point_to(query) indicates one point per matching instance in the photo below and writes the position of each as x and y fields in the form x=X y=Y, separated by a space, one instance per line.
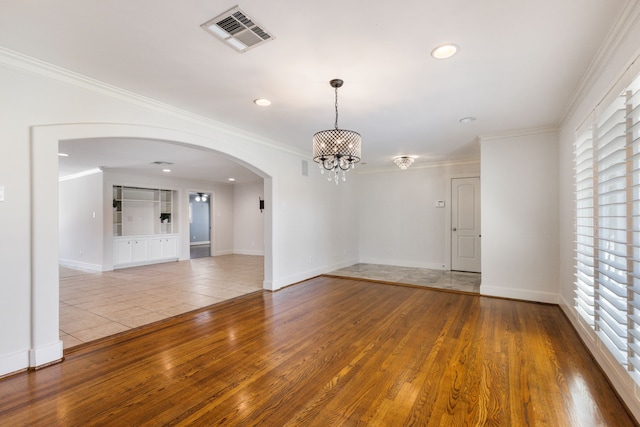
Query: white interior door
x=465 y=224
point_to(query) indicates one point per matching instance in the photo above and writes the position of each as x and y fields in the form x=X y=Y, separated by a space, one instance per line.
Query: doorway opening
x=200 y=238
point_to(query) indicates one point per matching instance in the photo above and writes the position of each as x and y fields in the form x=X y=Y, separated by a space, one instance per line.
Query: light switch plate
x=439 y=203
x=1 y=193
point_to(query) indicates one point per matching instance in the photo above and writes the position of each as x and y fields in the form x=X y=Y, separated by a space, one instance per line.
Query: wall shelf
x=142 y=211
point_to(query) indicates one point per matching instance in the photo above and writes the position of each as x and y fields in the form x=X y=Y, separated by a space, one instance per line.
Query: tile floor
x=439 y=279
x=95 y=305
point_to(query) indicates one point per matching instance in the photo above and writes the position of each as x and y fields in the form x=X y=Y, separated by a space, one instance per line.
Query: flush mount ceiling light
x=404 y=162
x=237 y=30
x=63 y=155
x=444 y=51
x=262 y=102
x=467 y=119
x=336 y=149
x=166 y=170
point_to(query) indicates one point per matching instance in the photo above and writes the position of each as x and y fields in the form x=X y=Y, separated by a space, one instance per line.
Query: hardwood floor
x=329 y=352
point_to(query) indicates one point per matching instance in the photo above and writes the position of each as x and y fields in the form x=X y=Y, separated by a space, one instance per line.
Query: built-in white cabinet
x=139 y=250
x=163 y=247
x=122 y=251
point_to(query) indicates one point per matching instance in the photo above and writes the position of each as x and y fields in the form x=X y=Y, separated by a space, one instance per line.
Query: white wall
x=520 y=216
x=42 y=104
x=248 y=225
x=81 y=222
x=398 y=221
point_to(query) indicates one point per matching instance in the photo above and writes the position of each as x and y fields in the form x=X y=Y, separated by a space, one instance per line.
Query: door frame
x=448 y=212
x=211 y=195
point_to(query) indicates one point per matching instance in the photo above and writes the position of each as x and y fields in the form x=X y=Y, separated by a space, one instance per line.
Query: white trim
x=299 y=277
x=81 y=265
x=223 y=252
x=519 y=133
x=248 y=252
x=519 y=294
x=14 y=363
x=419 y=166
x=45 y=354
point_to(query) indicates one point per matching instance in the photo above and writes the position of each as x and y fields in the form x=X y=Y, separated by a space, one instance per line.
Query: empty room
x=422 y=213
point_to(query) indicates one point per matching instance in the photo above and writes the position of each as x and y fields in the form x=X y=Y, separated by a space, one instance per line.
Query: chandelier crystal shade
x=336 y=150
x=403 y=162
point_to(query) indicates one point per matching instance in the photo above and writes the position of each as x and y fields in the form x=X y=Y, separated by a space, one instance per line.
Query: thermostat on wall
x=439 y=203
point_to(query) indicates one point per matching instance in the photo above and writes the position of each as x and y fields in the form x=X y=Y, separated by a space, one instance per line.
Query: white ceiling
x=518 y=66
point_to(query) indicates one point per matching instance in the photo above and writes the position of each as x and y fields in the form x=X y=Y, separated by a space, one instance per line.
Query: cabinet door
x=156 y=248
x=140 y=250
x=170 y=247
x=123 y=252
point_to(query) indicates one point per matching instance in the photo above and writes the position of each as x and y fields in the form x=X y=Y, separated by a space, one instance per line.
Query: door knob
x=454 y=229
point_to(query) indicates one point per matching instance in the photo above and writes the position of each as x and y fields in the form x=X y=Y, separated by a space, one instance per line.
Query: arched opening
x=46 y=346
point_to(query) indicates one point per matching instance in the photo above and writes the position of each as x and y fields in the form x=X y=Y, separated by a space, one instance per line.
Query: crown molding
x=626 y=20
x=420 y=166
x=19 y=61
x=519 y=133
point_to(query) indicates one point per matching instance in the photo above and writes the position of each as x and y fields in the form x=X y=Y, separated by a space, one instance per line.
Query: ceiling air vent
x=237 y=30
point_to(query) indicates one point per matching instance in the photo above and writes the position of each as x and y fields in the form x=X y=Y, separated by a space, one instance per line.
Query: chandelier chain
x=336 y=125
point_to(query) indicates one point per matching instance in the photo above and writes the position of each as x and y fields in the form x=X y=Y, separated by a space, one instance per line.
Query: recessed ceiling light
x=444 y=51
x=63 y=155
x=232 y=179
x=166 y=170
x=262 y=102
x=467 y=119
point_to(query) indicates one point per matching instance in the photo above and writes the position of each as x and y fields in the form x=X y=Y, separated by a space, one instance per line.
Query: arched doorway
x=46 y=346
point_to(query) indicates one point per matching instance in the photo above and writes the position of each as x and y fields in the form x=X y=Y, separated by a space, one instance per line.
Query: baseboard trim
x=14 y=363
x=81 y=265
x=519 y=294
x=248 y=252
x=45 y=355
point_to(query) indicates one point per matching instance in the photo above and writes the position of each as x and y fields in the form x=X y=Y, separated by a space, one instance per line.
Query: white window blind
x=607 y=244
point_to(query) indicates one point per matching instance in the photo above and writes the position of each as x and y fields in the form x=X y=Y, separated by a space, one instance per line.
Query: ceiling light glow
x=166 y=170
x=232 y=179
x=262 y=102
x=63 y=155
x=444 y=51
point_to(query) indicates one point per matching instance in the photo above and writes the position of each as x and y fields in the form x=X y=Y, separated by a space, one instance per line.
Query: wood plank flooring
x=329 y=352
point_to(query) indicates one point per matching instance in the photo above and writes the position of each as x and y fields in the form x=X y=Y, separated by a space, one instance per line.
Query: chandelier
x=336 y=150
x=403 y=162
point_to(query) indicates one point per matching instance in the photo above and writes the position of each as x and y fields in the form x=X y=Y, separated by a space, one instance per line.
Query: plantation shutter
x=633 y=142
x=611 y=229
x=584 y=256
